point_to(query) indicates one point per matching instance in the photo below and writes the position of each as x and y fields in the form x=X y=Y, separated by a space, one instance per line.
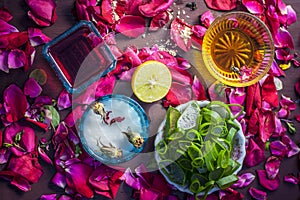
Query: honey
x=236 y=42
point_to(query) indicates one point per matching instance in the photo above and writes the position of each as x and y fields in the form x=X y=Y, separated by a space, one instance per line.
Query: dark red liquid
x=81 y=55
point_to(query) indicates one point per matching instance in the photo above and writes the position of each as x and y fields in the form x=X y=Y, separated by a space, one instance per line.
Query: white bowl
x=238 y=152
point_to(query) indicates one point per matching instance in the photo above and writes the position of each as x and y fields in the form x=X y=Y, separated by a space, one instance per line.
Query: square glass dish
x=79 y=56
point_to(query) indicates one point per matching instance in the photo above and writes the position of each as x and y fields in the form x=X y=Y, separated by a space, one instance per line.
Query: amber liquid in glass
x=232 y=49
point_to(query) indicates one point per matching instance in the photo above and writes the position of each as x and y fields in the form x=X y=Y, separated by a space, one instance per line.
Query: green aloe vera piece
x=171 y=120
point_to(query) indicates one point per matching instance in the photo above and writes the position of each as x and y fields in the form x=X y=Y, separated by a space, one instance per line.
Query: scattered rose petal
x=257 y=194
x=81 y=9
x=270 y=184
x=44 y=156
x=231 y=194
x=275 y=70
x=112 y=11
x=254 y=7
x=64 y=100
x=207 y=18
x=26 y=166
x=217 y=92
x=183 y=63
x=13 y=40
x=221 y=4
x=105 y=181
x=15 y=103
x=42 y=12
x=131 y=26
x=5 y=15
x=291 y=15
x=293 y=149
x=48 y=197
x=197 y=36
x=254 y=154
x=59 y=180
x=272 y=167
x=269 y=92
x=32 y=88
x=290 y=178
x=4 y=61
x=284 y=39
x=6 y=28
x=154 y=7
x=36 y=37
x=16 y=59
x=278 y=148
x=181 y=33
x=244 y=180
x=179 y=93
x=159 y=20
x=198 y=89
x=21 y=138
x=105 y=86
x=77 y=177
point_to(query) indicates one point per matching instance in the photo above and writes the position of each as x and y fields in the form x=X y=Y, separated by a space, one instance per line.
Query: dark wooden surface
x=53 y=87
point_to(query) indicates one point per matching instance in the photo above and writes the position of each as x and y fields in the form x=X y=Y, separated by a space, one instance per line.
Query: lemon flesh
x=151 y=81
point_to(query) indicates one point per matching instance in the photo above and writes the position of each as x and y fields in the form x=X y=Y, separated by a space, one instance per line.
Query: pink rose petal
x=77 y=176
x=291 y=15
x=44 y=156
x=283 y=39
x=197 y=36
x=159 y=20
x=59 y=180
x=254 y=154
x=275 y=70
x=270 y=184
x=81 y=8
x=42 y=12
x=48 y=197
x=32 y=88
x=37 y=37
x=293 y=149
x=272 y=167
x=221 y=4
x=244 y=180
x=257 y=194
x=154 y=7
x=181 y=34
x=179 y=93
x=278 y=148
x=5 y=15
x=13 y=40
x=64 y=100
x=24 y=144
x=112 y=10
x=6 y=28
x=207 y=18
x=105 y=86
x=254 y=7
x=269 y=92
x=15 y=103
x=198 y=90
x=4 y=61
x=290 y=178
x=16 y=59
x=26 y=166
x=131 y=26
x=106 y=181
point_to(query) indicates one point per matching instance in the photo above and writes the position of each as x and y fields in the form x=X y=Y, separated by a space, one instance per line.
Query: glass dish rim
x=145 y=126
x=55 y=67
x=272 y=50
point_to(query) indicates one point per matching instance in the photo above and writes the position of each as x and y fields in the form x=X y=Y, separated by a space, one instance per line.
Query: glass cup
x=238 y=49
x=80 y=51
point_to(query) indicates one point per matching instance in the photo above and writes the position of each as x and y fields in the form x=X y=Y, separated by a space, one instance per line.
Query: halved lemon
x=151 y=81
